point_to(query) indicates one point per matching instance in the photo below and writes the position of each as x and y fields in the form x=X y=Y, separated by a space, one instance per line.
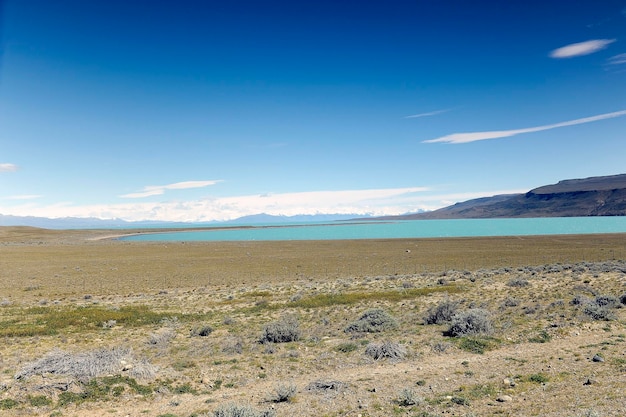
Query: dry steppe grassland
x=508 y=326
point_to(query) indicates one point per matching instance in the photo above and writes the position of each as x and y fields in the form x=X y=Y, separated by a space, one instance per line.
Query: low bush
x=471 y=322
x=8 y=403
x=161 y=338
x=460 y=401
x=440 y=347
x=408 y=397
x=201 y=331
x=478 y=344
x=282 y=393
x=39 y=401
x=383 y=350
x=102 y=389
x=607 y=301
x=325 y=386
x=442 y=313
x=598 y=312
x=372 y=321
x=88 y=365
x=518 y=282
x=541 y=337
x=538 y=378
x=282 y=331
x=234 y=410
x=580 y=300
x=510 y=302
x=346 y=347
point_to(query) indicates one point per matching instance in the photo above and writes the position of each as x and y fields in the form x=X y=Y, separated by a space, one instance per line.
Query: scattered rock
x=508 y=382
x=504 y=399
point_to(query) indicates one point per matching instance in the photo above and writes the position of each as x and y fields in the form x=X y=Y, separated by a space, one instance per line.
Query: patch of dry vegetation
x=497 y=339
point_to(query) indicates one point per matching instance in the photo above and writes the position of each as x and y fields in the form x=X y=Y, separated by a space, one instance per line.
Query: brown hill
x=595 y=196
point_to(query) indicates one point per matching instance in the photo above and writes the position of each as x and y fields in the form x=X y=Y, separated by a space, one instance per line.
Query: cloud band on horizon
x=375 y=202
x=152 y=190
x=456 y=138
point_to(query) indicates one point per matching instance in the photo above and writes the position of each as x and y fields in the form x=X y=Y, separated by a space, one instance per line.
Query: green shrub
x=538 y=378
x=8 y=403
x=346 y=347
x=460 y=401
x=39 y=401
x=476 y=344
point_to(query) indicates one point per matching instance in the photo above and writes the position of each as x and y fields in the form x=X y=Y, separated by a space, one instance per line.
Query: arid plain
x=95 y=326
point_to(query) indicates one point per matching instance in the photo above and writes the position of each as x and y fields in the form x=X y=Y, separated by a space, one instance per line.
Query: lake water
x=397 y=229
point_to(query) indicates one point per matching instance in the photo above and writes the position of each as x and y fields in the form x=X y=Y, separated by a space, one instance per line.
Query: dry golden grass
x=63 y=290
x=61 y=264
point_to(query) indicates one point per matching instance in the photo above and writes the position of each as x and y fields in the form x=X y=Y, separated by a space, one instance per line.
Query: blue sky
x=207 y=110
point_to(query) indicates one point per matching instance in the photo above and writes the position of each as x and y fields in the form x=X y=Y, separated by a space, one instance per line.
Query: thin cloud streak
x=432 y=113
x=152 y=190
x=581 y=48
x=617 y=59
x=8 y=167
x=497 y=134
x=375 y=202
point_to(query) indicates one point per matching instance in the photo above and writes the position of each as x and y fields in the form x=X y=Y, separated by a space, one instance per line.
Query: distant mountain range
x=595 y=196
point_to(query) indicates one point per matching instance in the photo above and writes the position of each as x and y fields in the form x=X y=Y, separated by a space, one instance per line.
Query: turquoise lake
x=395 y=229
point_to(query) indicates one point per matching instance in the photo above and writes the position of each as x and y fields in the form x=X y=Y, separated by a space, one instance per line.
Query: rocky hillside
x=595 y=196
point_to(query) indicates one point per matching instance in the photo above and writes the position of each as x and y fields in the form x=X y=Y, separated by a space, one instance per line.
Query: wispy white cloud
x=497 y=134
x=618 y=59
x=377 y=202
x=430 y=113
x=581 y=48
x=5 y=167
x=152 y=190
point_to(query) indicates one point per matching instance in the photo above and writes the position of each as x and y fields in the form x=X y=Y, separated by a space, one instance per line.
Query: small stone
x=504 y=399
x=508 y=382
x=597 y=358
